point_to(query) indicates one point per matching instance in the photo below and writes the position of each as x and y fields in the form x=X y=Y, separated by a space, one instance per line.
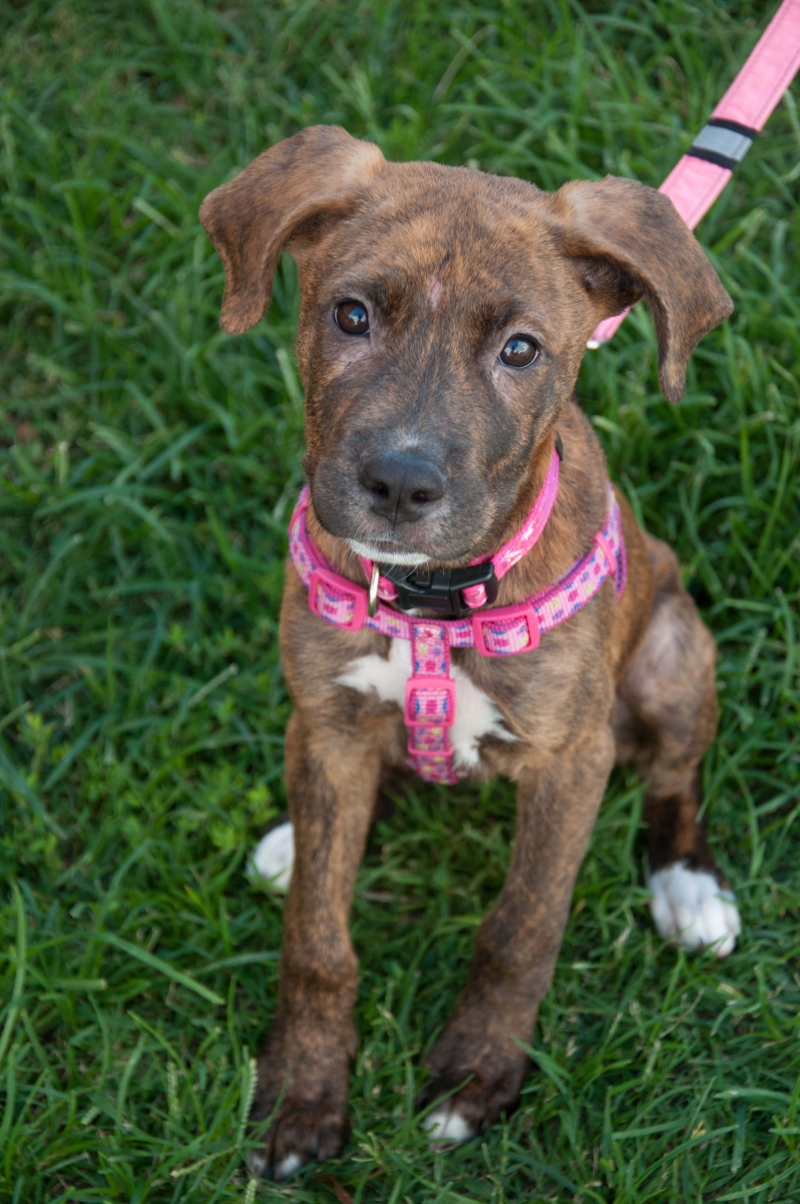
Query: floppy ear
x=317 y=172
x=629 y=241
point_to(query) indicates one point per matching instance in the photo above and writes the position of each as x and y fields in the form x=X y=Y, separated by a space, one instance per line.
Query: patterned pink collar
x=498 y=631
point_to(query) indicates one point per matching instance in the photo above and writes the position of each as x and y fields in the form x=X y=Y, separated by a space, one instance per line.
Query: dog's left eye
x=519 y=352
x=352 y=317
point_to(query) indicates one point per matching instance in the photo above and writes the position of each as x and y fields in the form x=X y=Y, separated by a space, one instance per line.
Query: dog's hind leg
x=332 y=780
x=665 y=718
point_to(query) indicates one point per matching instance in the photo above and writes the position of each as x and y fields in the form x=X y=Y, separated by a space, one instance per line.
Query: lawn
x=149 y=464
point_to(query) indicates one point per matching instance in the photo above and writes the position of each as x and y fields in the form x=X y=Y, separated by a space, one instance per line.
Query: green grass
x=148 y=467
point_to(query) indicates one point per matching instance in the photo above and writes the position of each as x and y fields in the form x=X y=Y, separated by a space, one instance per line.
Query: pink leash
x=430 y=704
x=700 y=176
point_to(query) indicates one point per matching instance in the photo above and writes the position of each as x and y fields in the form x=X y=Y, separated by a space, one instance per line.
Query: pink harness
x=430 y=704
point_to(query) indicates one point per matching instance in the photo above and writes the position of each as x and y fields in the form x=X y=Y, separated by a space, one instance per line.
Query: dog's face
x=439 y=337
x=444 y=314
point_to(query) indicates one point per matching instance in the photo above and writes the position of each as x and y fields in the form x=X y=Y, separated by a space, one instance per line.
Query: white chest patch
x=476 y=715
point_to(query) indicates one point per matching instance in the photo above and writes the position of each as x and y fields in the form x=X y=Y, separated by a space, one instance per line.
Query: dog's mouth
x=404 y=554
x=388 y=551
x=409 y=545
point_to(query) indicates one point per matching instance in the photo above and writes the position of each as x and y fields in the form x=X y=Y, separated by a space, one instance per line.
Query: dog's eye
x=519 y=352
x=352 y=317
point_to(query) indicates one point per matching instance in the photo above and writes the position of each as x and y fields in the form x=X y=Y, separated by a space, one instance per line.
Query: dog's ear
x=628 y=241
x=317 y=173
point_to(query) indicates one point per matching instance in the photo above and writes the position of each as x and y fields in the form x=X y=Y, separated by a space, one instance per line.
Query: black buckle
x=440 y=589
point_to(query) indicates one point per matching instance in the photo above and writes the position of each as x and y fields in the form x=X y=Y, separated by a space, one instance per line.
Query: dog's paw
x=691 y=910
x=306 y=1128
x=303 y=1131
x=273 y=857
x=465 y=1111
x=447 y=1124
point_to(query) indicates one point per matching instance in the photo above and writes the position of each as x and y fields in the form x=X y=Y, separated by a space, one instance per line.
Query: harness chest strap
x=501 y=631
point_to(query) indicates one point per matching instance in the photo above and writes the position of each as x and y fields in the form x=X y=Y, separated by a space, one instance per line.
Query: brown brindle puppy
x=443 y=317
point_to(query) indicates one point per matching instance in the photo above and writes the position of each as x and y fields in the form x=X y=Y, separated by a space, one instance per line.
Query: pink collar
x=499 y=631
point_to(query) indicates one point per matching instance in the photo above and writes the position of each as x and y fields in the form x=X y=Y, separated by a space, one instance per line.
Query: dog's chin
x=387 y=553
x=414 y=548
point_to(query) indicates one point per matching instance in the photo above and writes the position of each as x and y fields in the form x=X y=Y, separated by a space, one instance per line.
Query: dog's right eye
x=519 y=352
x=352 y=317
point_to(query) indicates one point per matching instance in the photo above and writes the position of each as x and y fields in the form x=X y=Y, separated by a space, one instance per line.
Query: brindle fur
x=446 y=259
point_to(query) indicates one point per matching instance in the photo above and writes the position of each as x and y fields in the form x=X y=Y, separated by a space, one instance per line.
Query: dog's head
x=443 y=317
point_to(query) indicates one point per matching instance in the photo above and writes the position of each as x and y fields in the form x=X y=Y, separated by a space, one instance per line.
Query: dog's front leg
x=332 y=781
x=517 y=944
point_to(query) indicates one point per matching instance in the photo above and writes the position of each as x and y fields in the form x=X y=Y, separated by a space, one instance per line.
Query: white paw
x=292 y=1162
x=274 y=857
x=447 y=1126
x=692 y=911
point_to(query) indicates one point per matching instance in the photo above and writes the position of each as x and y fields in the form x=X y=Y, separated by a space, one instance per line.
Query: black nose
x=401 y=484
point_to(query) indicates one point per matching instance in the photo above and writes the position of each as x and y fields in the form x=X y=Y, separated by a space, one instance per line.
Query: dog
x=444 y=313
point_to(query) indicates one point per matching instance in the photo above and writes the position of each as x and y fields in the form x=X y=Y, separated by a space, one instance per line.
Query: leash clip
x=372 y=597
x=440 y=590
